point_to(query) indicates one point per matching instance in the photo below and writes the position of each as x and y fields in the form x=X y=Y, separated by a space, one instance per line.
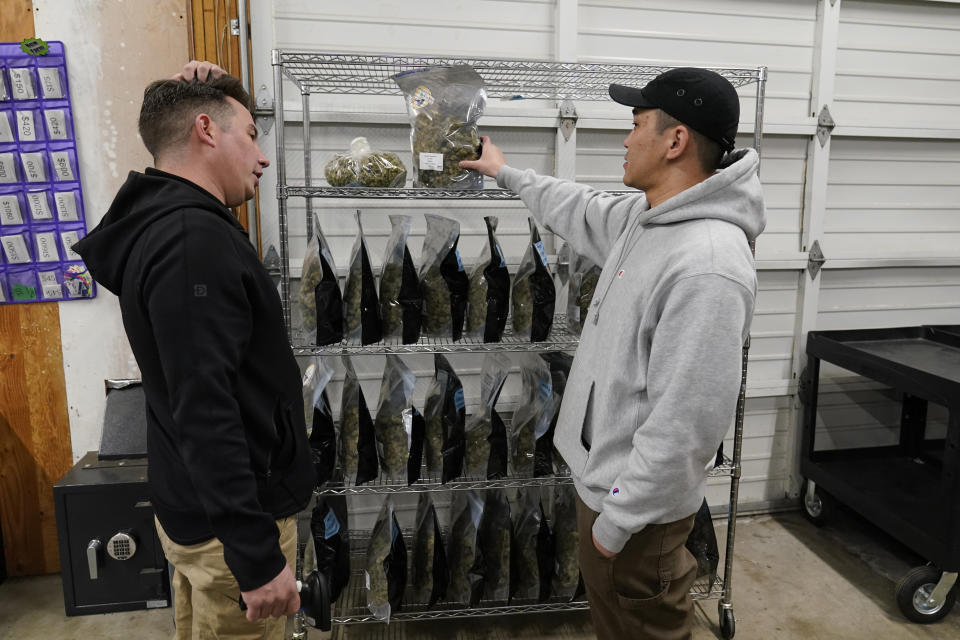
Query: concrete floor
x=791 y=580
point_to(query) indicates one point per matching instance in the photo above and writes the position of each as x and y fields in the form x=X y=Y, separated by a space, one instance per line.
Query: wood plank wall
x=210 y=39
x=35 y=449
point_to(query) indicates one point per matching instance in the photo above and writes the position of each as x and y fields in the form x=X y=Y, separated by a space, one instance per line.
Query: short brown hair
x=170 y=106
x=708 y=152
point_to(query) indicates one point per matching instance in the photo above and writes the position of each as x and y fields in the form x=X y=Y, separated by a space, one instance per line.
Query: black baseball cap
x=699 y=98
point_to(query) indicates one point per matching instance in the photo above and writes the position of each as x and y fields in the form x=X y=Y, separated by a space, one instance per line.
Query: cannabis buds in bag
x=444 y=105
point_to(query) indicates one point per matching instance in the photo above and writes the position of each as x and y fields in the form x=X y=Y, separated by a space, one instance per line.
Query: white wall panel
x=893 y=198
x=868 y=298
x=522 y=29
x=746 y=33
x=897 y=65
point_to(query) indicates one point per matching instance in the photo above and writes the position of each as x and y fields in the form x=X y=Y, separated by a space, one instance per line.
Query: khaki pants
x=643 y=592
x=205 y=593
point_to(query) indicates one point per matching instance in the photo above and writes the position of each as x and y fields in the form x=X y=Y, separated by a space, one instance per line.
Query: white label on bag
x=61 y=165
x=6 y=131
x=46 y=243
x=3 y=91
x=50 y=82
x=49 y=285
x=33 y=169
x=10 y=209
x=431 y=161
x=39 y=206
x=69 y=239
x=15 y=248
x=56 y=124
x=21 y=83
x=8 y=172
x=66 y=205
x=25 y=126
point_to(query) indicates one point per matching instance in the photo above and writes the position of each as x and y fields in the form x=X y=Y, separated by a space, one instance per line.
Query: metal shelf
x=429 y=483
x=351 y=606
x=559 y=339
x=408 y=194
x=432 y=482
x=504 y=78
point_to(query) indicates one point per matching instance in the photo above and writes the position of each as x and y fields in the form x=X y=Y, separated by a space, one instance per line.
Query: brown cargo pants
x=205 y=593
x=642 y=593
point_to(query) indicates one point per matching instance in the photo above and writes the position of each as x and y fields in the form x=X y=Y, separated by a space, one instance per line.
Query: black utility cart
x=910 y=490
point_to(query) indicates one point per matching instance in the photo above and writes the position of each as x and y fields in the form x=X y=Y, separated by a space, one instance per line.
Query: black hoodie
x=226 y=442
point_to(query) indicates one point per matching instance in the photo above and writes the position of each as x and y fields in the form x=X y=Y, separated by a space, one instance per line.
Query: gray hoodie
x=654 y=384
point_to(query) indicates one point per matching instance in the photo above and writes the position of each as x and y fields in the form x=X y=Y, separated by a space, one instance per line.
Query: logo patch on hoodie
x=620 y=273
x=616 y=491
x=200 y=291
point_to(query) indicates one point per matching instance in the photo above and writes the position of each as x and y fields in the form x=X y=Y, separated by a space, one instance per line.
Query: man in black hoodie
x=228 y=460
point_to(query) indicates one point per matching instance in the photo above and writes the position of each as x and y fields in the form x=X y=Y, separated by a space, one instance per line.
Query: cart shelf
x=432 y=482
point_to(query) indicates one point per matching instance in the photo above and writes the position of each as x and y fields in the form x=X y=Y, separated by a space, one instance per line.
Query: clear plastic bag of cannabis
x=494 y=544
x=365 y=167
x=486 y=455
x=323 y=432
x=582 y=282
x=386 y=571
x=401 y=304
x=358 y=443
x=444 y=105
x=431 y=575
x=331 y=541
x=444 y=284
x=393 y=445
x=559 y=364
x=319 y=300
x=567 y=575
x=702 y=543
x=489 y=299
x=361 y=310
x=376 y=168
x=532 y=555
x=531 y=420
x=533 y=292
x=466 y=581
x=341 y=170
x=445 y=414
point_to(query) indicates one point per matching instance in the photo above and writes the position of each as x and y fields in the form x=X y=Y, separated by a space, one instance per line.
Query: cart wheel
x=914 y=588
x=728 y=625
x=819 y=508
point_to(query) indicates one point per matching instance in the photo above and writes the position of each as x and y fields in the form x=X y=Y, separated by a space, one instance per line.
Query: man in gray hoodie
x=655 y=380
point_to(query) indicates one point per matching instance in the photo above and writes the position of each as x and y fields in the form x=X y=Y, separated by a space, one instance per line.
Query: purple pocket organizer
x=41 y=196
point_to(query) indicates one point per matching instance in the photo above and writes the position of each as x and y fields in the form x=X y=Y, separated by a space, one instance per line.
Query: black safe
x=110 y=557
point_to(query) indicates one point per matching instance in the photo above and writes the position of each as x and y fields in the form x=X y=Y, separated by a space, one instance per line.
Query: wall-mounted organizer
x=41 y=198
x=362 y=76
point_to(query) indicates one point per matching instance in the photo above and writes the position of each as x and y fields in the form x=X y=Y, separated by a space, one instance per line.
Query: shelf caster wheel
x=913 y=596
x=728 y=624
x=818 y=506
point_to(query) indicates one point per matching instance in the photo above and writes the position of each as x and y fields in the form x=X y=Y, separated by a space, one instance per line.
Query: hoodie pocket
x=285 y=451
x=586 y=427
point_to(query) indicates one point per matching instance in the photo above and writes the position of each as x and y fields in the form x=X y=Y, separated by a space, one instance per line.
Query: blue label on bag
x=456 y=252
x=458 y=399
x=546 y=390
x=543 y=254
x=503 y=262
x=331 y=525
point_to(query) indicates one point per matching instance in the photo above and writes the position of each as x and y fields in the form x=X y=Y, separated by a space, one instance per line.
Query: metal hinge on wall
x=568 y=118
x=825 y=125
x=815 y=260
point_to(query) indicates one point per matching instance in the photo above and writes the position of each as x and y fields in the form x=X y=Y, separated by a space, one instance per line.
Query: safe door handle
x=93 y=556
